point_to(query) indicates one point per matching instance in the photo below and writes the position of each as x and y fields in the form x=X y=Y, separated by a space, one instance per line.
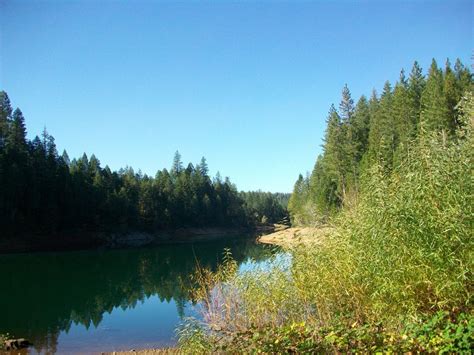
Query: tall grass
x=406 y=248
x=233 y=302
x=403 y=254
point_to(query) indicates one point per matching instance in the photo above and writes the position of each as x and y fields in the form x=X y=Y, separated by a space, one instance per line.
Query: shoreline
x=293 y=236
x=280 y=235
x=77 y=241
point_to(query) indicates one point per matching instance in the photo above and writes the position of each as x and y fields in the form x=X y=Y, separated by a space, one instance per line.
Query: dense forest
x=44 y=193
x=378 y=131
x=265 y=207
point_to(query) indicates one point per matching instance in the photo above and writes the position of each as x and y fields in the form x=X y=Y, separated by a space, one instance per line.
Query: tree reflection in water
x=46 y=293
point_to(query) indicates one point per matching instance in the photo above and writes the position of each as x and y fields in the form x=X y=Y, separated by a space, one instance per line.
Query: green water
x=93 y=301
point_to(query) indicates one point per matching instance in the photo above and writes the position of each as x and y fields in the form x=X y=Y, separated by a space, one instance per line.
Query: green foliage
x=441 y=333
x=300 y=207
x=192 y=338
x=259 y=206
x=43 y=193
x=377 y=132
x=396 y=275
x=434 y=103
x=407 y=247
x=268 y=310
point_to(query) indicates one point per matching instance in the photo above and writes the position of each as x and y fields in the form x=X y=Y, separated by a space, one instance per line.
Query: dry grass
x=291 y=237
x=400 y=257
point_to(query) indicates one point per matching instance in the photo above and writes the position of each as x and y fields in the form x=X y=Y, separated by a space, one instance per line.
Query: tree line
x=266 y=207
x=45 y=193
x=378 y=130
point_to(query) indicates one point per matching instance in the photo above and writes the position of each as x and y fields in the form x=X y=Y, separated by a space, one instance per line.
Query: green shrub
x=395 y=275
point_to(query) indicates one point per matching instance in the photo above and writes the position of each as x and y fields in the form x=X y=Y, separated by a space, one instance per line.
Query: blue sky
x=246 y=84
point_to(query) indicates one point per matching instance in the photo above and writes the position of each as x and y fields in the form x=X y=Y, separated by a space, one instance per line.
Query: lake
x=106 y=300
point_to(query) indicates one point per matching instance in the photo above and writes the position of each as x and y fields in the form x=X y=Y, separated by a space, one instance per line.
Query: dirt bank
x=109 y=240
x=296 y=235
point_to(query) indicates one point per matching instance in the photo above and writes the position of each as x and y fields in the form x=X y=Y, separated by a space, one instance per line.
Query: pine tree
x=66 y=160
x=452 y=93
x=368 y=156
x=360 y=128
x=323 y=190
x=456 y=84
x=203 y=168
x=401 y=113
x=435 y=115
x=177 y=164
x=416 y=84
x=346 y=107
x=94 y=165
x=382 y=131
x=295 y=203
x=348 y=141
x=464 y=77
x=357 y=141
x=16 y=138
x=334 y=155
x=5 y=116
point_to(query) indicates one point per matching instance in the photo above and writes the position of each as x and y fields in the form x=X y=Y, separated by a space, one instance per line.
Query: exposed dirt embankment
x=290 y=237
x=180 y=235
x=94 y=240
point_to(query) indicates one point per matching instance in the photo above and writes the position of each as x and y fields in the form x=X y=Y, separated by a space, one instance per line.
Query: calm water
x=93 y=301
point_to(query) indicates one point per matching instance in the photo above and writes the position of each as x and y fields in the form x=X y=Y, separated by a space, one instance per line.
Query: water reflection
x=46 y=294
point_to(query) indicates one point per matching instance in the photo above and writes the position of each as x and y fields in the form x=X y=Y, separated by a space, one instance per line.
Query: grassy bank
x=394 y=274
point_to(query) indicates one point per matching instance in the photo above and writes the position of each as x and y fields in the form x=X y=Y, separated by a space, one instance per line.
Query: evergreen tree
x=382 y=130
x=378 y=132
x=452 y=94
x=368 y=157
x=357 y=142
x=295 y=205
x=17 y=134
x=323 y=190
x=94 y=166
x=360 y=128
x=435 y=115
x=346 y=107
x=347 y=141
x=177 y=164
x=203 y=168
x=65 y=158
x=416 y=84
x=334 y=155
x=456 y=84
x=5 y=116
x=463 y=77
x=401 y=113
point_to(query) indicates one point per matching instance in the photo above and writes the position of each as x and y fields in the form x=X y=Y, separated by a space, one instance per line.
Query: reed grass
x=398 y=264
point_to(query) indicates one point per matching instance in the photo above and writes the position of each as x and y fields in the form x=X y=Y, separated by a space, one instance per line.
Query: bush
x=396 y=274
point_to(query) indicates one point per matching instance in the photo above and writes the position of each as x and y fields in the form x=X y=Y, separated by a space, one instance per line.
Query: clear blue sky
x=246 y=84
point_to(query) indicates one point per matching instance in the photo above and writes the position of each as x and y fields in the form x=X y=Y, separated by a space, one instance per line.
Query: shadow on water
x=48 y=293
